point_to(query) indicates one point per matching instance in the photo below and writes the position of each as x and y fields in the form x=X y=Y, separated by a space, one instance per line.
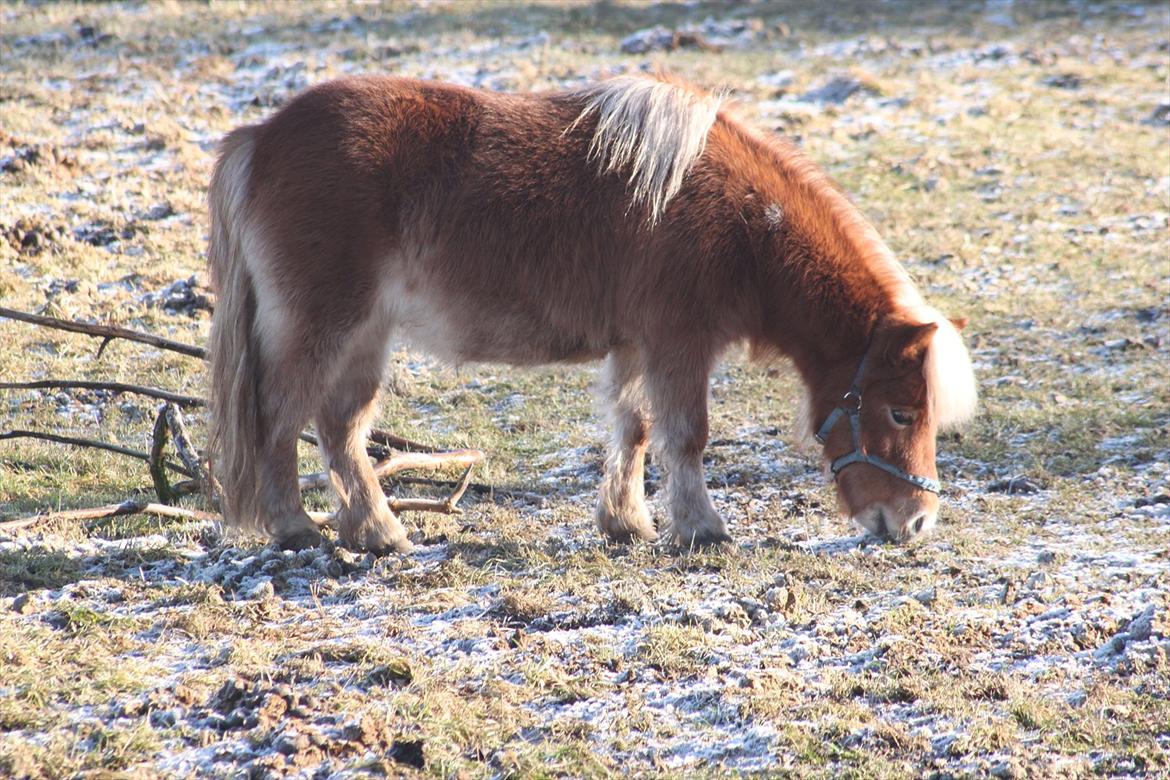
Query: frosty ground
x=1015 y=157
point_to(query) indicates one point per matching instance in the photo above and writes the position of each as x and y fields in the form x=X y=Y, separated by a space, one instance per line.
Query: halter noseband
x=853 y=398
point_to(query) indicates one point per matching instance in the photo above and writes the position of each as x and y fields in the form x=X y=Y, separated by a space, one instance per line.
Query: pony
x=636 y=219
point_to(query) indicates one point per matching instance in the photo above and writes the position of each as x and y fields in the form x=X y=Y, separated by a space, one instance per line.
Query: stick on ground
x=402 y=461
x=189 y=401
x=158 y=469
x=131 y=507
x=99 y=445
x=106 y=332
x=187 y=451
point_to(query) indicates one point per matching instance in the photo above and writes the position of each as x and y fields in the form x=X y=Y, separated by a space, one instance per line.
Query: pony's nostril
x=921 y=521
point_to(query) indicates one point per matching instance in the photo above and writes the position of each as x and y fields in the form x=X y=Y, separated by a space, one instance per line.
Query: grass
x=517 y=643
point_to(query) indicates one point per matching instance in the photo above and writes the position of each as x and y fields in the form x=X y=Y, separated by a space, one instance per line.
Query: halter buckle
x=850 y=408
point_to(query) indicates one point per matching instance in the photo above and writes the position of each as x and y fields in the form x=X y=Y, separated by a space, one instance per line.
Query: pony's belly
x=455 y=329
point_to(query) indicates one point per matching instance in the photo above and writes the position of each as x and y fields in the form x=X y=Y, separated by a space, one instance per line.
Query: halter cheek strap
x=853 y=413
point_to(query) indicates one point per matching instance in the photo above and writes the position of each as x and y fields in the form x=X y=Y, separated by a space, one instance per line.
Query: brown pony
x=635 y=219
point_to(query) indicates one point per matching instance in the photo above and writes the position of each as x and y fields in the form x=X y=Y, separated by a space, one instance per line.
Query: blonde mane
x=656 y=128
x=947 y=367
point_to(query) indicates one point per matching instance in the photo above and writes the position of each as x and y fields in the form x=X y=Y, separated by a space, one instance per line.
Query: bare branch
x=158 y=470
x=387 y=439
x=478 y=487
x=444 y=506
x=131 y=507
x=187 y=451
x=402 y=461
x=188 y=486
x=106 y=332
x=460 y=489
x=408 y=461
x=100 y=445
x=383 y=441
x=189 y=401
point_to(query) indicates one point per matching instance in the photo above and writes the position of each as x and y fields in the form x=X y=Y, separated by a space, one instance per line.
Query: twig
x=443 y=506
x=402 y=461
x=464 y=481
x=106 y=332
x=186 y=487
x=383 y=443
x=100 y=445
x=478 y=487
x=187 y=451
x=387 y=439
x=189 y=401
x=130 y=507
x=158 y=470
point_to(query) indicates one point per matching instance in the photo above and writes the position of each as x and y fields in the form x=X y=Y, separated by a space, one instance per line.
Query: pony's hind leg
x=677 y=390
x=621 y=510
x=282 y=514
x=285 y=398
x=343 y=420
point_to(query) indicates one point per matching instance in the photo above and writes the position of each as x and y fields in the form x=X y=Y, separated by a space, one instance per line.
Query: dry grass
x=1012 y=157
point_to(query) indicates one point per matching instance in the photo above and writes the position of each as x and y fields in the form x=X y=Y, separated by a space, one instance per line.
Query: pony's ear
x=907 y=344
x=959 y=322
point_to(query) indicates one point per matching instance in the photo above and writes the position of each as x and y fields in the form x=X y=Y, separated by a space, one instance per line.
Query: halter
x=852 y=397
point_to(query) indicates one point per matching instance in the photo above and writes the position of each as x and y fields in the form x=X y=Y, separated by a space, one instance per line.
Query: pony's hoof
x=621 y=530
x=303 y=539
x=630 y=536
x=379 y=539
x=400 y=546
x=699 y=538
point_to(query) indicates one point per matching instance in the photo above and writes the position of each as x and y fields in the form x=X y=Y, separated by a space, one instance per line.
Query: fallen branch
x=402 y=461
x=395 y=452
x=158 y=469
x=185 y=488
x=387 y=439
x=105 y=332
x=100 y=445
x=189 y=401
x=383 y=442
x=478 y=487
x=443 y=506
x=131 y=507
x=387 y=467
x=187 y=451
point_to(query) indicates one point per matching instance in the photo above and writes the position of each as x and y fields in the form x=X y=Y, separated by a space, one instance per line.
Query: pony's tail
x=235 y=424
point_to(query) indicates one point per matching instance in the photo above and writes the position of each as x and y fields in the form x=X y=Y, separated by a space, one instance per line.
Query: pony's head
x=877 y=418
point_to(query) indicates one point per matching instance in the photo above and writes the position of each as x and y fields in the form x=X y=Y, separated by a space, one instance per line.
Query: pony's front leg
x=621 y=510
x=678 y=397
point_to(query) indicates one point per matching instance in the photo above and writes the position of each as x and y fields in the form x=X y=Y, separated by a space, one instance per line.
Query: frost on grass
x=1019 y=171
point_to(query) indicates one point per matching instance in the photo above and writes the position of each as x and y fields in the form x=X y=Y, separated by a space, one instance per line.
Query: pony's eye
x=901 y=417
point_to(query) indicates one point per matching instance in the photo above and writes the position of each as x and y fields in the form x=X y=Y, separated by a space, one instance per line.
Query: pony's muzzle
x=886 y=524
x=910 y=528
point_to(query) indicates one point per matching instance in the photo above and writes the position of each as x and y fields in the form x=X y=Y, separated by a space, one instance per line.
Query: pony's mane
x=947 y=367
x=656 y=128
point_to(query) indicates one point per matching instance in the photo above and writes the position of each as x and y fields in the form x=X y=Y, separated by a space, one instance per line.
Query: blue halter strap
x=851 y=409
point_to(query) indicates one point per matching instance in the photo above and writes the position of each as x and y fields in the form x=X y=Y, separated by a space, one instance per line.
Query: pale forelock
x=655 y=128
x=950 y=379
x=949 y=375
x=947 y=368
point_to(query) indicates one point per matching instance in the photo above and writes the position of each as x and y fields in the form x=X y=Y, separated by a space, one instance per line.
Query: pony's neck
x=826 y=275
